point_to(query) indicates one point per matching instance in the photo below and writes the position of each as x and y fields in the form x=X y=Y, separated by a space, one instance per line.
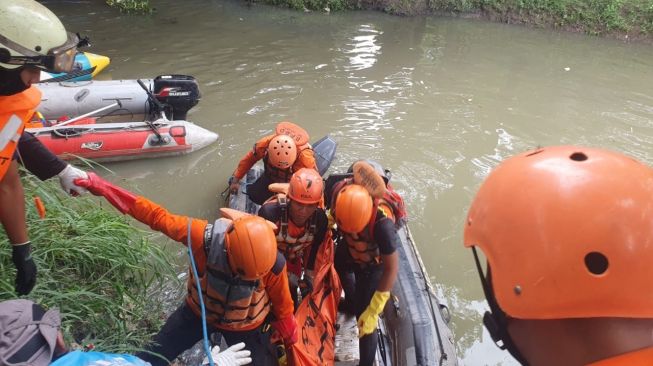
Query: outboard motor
x=179 y=93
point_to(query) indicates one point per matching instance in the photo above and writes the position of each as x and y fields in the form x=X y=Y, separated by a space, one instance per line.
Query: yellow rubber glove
x=368 y=321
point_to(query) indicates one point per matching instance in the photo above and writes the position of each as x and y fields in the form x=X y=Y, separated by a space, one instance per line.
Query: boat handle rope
x=443 y=354
x=207 y=349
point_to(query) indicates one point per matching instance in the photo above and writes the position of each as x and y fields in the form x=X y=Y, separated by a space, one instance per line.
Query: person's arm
x=306 y=159
x=252 y=156
x=173 y=226
x=149 y=213
x=12 y=206
x=12 y=216
x=247 y=162
x=276 y=285
x=388 y=240
x=37 y=158
x=44 y=164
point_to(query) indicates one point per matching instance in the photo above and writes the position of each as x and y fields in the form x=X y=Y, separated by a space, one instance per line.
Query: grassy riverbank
x=131 y=6
x=95 y=266
x=620 y=18
x=626 y=19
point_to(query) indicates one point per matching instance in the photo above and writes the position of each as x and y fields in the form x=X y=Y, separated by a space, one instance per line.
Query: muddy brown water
x=439 y=101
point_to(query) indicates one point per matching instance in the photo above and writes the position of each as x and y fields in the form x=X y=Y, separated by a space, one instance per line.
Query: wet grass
x=95 y=266
x=131 y=6
x=621 y=18
x=599 y=17
x=313 y=5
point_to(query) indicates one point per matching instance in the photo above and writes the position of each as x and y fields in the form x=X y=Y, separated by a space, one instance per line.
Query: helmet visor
x=57 y=60
x=62 y=58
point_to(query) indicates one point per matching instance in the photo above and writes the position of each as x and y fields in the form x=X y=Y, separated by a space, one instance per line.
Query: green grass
x=315 y=5
x=599 y=17
x=131 y=6
x=591 y=16
x=95 y=266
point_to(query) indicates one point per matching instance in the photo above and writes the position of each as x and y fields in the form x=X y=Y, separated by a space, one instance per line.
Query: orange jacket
x=15 y=111
x=305 y=157
x=273 y=285
x=642 y=357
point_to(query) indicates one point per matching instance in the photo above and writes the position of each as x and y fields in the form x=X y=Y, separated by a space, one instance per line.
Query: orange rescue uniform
x=642 y=357
x=305 y=159
x=15 y=111
x=271 y=294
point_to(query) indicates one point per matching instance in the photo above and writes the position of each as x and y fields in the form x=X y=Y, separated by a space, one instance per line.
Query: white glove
x=67 y=177
x=232 y=356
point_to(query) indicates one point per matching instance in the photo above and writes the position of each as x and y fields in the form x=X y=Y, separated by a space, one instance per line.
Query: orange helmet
x=568 y=233
x=353 y=208
x=251 y=247
x=306 y=186
x=282 y=151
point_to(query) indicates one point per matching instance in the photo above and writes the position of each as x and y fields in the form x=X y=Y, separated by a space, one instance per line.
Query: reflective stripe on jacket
x=15 y=111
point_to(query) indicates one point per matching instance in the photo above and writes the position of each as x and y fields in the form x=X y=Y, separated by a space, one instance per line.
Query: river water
x=439 y=101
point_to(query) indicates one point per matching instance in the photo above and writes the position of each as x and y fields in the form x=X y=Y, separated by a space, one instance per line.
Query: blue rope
x=207 y=349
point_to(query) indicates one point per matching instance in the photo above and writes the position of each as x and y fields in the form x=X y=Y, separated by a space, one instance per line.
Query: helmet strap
x=283 y=205
x=495 y=320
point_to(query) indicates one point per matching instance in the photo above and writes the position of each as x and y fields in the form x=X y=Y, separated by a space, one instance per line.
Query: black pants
x=183 y=329
x=359 y=285
x=258 y=191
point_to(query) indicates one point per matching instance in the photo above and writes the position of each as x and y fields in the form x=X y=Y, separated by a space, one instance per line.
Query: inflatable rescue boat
x=162 y=103
x=124 y=140
x=414 y=327
x=177 y=93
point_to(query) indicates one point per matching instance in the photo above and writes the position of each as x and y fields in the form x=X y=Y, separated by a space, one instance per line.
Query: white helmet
x=30 y=34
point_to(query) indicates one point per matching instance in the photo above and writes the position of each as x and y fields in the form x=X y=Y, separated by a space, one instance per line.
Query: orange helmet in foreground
x=251 y=247
x=306 y=186
x=567 y=233
x=282 y=151
x=353 y=209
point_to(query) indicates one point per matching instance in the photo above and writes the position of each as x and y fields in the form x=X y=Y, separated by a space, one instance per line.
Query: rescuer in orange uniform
x=301 y=227
x=568 y=236
x=32 y=39
x=283 y=153
x=243 y=277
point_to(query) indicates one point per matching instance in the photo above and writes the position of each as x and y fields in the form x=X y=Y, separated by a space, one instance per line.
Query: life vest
x=365 y=250
x=291 y=239
x=231 y=303
x=15 y=111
